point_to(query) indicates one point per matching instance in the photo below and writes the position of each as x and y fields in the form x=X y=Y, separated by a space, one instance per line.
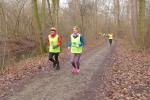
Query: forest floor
x=126 y=77
x=107 y=73
x=14 y=46
x=15 y=76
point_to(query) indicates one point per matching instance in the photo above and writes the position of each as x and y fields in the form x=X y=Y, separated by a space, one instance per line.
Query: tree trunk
x=50 y=13
x=134 y=20
x=43 y=14
x=117 y=15
x=55 y=4
x=36 y=15
x=95 y=16
x=82 y=9
x=141 y=22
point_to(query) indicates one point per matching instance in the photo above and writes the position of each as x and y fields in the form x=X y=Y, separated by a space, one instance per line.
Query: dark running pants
x=53 y=57
x=110 y=41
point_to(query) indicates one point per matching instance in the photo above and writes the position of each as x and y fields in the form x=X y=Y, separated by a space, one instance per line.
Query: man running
x=54 y=47
x=76 y=46
x=110 y=37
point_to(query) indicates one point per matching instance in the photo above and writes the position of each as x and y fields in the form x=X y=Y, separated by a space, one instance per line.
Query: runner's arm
x=59 y=41
x=48 y=43
x=82 y=41
x=69 y=44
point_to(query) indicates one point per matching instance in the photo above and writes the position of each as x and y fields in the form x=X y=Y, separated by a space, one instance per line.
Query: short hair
x=53 y=29
x=76 y=27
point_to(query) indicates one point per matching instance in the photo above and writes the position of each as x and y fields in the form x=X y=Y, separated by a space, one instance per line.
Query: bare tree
x=50 y=12
x=55 y=5
x=43 y=14
x=36 y=14
x=117 y=14
x=142 y=7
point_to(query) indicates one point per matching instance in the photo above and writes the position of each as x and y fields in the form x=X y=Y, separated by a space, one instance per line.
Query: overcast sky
x=62 y=1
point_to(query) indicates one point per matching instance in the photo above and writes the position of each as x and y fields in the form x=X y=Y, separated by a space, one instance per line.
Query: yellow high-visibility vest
x=110 y=36
x=53 y=42
x=74 y=43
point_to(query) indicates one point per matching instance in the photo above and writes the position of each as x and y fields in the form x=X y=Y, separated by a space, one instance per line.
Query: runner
x=54 y=47
x=76 y=46
x=110 y=37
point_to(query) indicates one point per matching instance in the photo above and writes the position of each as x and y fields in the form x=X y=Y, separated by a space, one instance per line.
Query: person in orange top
x=54 y=43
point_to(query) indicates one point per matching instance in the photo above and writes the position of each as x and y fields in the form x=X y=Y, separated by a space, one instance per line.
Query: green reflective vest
x=53 y=42
x=75 y=42
x=110 y=36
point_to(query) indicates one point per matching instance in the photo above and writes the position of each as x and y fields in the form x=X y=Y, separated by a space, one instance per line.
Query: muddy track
x=63 y=85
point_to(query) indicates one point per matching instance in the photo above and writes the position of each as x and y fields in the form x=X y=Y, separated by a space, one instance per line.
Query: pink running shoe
x=77 y=70
x=73 y=70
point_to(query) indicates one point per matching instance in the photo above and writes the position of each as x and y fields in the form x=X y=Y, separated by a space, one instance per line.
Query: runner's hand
x=56 y=46
x=77 y=46
x=69 y=48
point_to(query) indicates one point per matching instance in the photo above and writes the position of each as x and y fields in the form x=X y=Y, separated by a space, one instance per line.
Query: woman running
x=76 y=47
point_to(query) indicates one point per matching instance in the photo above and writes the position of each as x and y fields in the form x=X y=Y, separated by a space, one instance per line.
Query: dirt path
x=63 y=85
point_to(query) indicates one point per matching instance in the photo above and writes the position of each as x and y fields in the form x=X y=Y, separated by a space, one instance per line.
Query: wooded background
x=24 y=24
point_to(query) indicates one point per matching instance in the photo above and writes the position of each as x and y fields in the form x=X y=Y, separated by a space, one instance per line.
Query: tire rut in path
x=63 y=85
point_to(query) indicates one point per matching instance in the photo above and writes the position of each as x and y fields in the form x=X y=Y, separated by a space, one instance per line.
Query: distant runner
x=110 y=37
